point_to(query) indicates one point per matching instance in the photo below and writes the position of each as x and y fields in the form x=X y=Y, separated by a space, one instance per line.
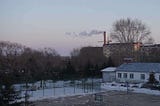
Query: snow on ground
x=131 y=88
x=59 y=89
x=57 y=92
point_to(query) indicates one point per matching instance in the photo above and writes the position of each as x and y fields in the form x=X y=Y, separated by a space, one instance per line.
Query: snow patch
x=136 y=88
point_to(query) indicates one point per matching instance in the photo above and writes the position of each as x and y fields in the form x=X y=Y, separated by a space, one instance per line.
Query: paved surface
x=108 y=98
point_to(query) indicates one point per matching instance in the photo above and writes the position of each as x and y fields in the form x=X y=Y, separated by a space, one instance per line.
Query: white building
x=109 y=74
x=135 y=72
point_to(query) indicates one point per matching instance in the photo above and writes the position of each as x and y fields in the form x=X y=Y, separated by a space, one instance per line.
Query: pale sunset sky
x=44 y=23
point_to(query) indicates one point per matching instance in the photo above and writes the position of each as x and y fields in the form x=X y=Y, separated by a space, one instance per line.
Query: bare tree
x=128 y=31
x=75 y=52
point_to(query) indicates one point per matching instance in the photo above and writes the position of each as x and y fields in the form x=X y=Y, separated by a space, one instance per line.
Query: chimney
x=104 y=34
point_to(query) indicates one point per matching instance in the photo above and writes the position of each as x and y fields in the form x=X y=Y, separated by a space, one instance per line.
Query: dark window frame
x=119 y=75
x=142 y=76
x=131 y=76
x=125 y=75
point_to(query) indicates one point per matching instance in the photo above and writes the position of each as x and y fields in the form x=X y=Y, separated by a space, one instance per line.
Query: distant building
x=109 y=49
x=119 y=51
x=148 y=49
x=150 y=46
x=134 y=72
x=150 y=52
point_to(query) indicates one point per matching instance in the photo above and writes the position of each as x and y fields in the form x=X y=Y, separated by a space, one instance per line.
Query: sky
x=44 y=23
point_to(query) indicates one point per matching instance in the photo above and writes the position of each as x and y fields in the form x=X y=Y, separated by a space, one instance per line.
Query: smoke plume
x=85 y=33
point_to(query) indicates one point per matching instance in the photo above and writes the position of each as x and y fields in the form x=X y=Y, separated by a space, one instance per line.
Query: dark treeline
x=88 y=61
x=25 y=63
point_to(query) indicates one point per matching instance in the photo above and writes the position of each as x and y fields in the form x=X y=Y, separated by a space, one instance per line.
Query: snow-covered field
x=60 y=88
x=131 y=88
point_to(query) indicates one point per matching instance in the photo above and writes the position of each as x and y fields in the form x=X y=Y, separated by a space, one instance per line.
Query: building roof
x=109 y=69
x=139 y=67
x=127 y=43
x=151 y=45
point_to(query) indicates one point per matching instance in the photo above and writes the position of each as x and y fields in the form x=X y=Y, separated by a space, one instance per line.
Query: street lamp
x=26 y=86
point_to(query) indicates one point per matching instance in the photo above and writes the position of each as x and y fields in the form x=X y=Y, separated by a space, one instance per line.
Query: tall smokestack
x=104 y=34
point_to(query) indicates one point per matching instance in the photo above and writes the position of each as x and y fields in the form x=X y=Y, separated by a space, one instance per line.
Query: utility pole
x=26 y=87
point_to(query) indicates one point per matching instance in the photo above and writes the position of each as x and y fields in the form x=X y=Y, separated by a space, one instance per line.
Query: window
x=142 y=76
x=124 y=75
x=119 y=75
x=131 y=76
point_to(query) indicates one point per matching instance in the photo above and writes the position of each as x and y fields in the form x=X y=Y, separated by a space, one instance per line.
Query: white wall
x=112 y=76
x=109 y=76
x=137 y=77
x=157 y=75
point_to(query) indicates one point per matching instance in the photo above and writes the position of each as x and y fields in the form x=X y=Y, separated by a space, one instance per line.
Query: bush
x=152 y=79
